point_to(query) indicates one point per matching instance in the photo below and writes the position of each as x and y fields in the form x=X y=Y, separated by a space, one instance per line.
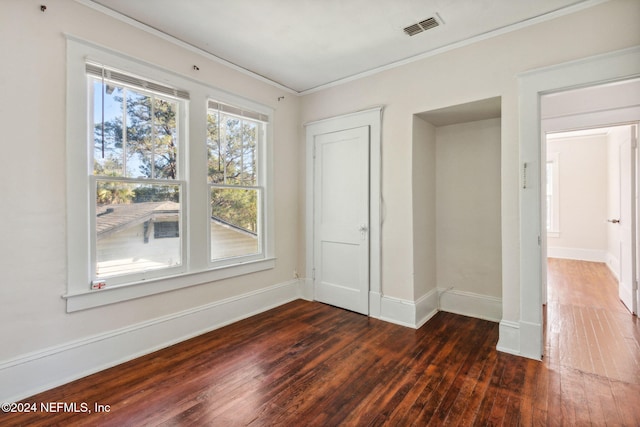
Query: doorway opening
x=618 y=68
x=589 y=200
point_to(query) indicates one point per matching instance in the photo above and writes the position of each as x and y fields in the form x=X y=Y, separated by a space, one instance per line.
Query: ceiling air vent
x=421 y=26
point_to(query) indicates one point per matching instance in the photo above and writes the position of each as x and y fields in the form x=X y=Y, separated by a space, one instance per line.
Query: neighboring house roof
x=113 y=218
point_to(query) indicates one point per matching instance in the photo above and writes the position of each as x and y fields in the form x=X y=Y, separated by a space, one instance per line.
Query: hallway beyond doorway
x=587 y=326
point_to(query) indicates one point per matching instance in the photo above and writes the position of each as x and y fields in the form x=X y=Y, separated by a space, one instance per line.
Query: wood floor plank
x=306 y=363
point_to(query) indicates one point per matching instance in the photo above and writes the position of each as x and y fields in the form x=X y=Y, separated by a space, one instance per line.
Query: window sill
x=95 y=298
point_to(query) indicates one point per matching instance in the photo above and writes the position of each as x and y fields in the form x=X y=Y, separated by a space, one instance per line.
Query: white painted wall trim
x=38 y=371
x=426 y=307
x=614 y=265
x=375 y=304
x=399 y=311
x=509 y=341
x=306 y=289
x=593 y=255
x=409 y=313
x=415 y=314
x=609 y=67
x=470 y=304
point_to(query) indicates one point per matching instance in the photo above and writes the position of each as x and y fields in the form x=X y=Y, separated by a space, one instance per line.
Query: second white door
x=341 y=219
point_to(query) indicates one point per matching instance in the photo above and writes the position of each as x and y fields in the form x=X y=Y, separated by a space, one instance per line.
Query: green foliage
x=149 y=149
x=238 y=207
x=232 y=148
x=115 y=192
x=151 y=133
x=156 y=193
x=232 y=144
x=109 y=193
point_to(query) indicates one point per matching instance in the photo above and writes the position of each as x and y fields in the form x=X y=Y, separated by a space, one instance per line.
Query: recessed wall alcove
x=456 y=193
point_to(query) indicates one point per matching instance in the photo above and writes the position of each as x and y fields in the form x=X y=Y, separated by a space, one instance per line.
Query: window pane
x=166 y=134
x=232 y=149
x=248 y=160
x=107 y=133
x=137 y=227
x=234 y=222
x=146 y=150
x=139 y=144
x=214 y=148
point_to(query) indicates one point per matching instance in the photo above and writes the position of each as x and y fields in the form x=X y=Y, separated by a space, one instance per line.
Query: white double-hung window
x=235 y=139
x=135 y=143
x=168 y=180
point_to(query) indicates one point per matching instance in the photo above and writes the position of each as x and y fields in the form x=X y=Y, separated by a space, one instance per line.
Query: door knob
x=363 y=231
x=615 y=221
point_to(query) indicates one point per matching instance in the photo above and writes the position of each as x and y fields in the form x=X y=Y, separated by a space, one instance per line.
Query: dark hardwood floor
x=310 y=364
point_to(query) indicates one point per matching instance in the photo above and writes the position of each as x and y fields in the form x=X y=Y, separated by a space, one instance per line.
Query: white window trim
x=554 y=159
x=197 y=267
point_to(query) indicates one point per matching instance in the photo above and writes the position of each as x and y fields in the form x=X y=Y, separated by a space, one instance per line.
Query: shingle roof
x=116 y=217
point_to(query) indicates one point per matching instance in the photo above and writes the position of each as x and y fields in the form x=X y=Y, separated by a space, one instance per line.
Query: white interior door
x=627 y=285
x=341 y=219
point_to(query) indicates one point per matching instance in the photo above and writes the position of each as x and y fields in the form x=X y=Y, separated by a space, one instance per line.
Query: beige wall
x=583 y=181
x=423 y=187
x=33 y=87
x=482 y=70
x=469 y=245
x=33 y=246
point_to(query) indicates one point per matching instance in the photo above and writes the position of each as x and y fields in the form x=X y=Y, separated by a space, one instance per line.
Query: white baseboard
x=35 y=372
x=614 y=265
x=426 y=307
x=520 y=338
x=470 y=304
x=398 y=311
x=306 y=289
x=593 y=255
x=415 y=314
x=375 y=304
x=531 y=344
x=509 y=337
x=409 y=313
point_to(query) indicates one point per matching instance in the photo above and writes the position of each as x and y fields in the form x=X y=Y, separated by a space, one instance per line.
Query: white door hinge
x=313 y=274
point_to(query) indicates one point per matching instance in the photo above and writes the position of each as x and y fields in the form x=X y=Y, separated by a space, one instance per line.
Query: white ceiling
x=306 y=44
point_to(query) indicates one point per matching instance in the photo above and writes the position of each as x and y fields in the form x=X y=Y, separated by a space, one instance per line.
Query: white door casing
x=524 y=336
x=371 y=119
x=341 y=219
